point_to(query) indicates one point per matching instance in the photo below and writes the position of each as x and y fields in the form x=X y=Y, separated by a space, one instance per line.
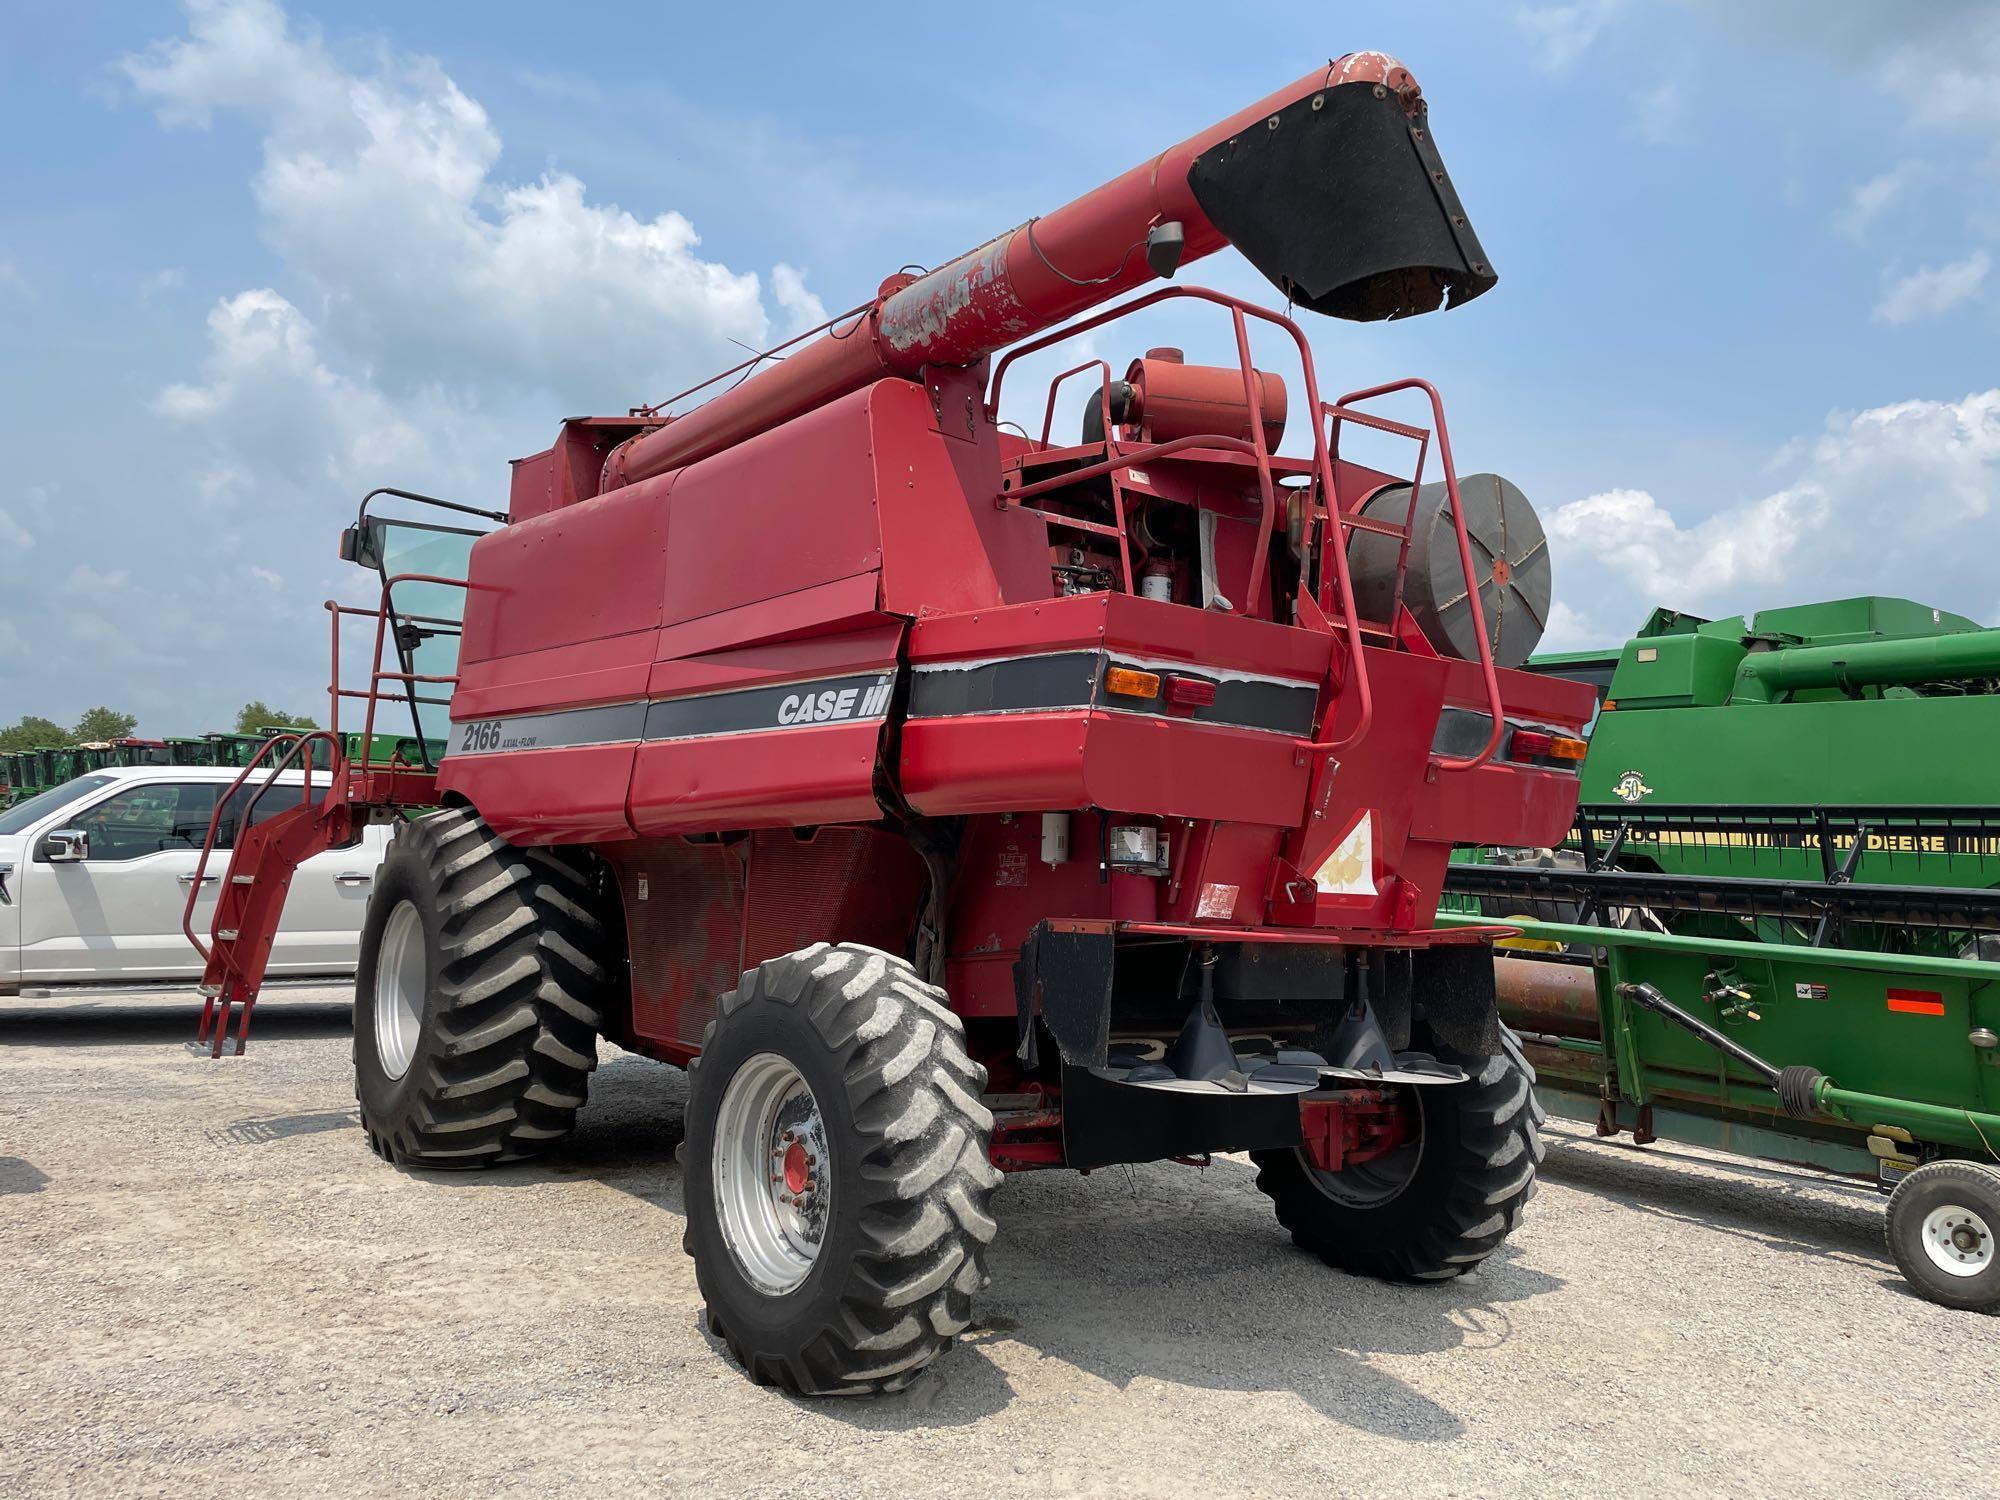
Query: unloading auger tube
x=1332 y=187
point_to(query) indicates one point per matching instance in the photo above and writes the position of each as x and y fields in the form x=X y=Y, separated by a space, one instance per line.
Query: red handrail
x=1103 y=395
x=1486 y=664
x=292 y=744
x=1322 y=461
x=377 y=676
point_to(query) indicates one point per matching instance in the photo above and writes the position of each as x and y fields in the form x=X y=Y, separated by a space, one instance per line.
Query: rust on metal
x=1557 y=999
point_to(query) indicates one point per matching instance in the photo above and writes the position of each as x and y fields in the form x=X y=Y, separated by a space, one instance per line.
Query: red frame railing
x=377 y=676
x=292 y=743
x=1240 y=312
x=1343 y=411
x=1339 y=519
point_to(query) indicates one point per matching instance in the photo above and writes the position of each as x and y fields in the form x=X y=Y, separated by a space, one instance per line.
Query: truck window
x=24 y=815
x=149 y=819
x=282 y=797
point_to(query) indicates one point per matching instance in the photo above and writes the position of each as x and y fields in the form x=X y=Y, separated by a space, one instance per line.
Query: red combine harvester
x=953 y=802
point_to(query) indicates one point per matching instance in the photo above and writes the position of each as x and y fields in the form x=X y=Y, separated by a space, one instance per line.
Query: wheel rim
x=1958 y=1241
x=399 y=989
x=1372 y=1183
x=773 y=1189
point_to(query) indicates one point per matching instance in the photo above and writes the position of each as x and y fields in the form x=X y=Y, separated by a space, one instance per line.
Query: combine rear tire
x=838 y=1188
x=1944 y=1230
x=484 y=975
x=1441 y=1204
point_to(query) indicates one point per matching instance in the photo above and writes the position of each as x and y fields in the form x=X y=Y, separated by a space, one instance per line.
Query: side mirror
x=65 y=846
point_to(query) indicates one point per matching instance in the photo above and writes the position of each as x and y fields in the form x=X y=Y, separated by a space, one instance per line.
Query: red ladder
x=262 y=861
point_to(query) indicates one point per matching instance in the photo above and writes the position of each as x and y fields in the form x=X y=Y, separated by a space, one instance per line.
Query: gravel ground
x=209 y=1287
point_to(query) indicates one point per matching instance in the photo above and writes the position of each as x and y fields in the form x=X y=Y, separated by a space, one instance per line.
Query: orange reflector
x=1564 y=748
x=1128 y=682
x=1916 y=1002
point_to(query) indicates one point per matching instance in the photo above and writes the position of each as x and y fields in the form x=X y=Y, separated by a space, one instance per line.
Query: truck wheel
x=481 y=989
x=838 y=1187
x=1440 y=1204
x=1943 y=1219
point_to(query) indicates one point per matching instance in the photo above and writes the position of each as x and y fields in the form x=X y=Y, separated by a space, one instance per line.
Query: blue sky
x=256 y=258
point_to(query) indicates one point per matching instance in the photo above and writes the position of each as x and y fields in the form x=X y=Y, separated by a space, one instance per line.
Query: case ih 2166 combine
x=950 y=801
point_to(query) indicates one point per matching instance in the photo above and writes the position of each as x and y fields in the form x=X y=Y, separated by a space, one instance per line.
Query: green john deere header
x=1776 y=926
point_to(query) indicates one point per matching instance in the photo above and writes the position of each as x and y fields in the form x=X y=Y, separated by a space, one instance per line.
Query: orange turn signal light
x=1562 y=747
x=1129 y=682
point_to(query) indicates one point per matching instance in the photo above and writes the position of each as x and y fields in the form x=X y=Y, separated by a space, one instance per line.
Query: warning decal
x=1350 y=869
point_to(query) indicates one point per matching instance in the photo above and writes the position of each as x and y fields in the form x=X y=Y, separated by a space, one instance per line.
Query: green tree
x=33 y=730
x=257 y=714
x=105 y=724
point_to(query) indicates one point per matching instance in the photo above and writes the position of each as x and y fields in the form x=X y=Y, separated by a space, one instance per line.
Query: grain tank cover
x=1372 y=227
x=1509 y=553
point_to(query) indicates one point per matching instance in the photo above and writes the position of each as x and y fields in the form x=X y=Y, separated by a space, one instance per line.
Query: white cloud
x=427 y=317
x=377 y=188
x=1948 y=73
x=86 y=580
x=1889 y=500
x=802 y=309
x=1659 y=114
x=1571 y=630
x=162 y=281
x=1871 y=199
x=1561 y=34
x=273 y=407
x=1934 y=290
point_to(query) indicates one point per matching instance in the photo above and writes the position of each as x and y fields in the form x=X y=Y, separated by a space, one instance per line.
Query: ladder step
x=226 y=935
x=243 y=880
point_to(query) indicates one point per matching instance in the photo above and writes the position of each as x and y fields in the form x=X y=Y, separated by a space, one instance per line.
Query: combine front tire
x=1438 y=1205
x=838 y=1188
x=1942 y=1227
x=484 y=976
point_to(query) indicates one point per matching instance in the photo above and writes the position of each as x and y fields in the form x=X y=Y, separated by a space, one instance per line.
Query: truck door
x=320 y=932
x=115 y=915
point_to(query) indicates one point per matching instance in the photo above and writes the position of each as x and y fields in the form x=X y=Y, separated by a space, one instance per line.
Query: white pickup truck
x=95 y=873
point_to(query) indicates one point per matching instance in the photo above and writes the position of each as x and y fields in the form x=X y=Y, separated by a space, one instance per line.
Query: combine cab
x=953 y=801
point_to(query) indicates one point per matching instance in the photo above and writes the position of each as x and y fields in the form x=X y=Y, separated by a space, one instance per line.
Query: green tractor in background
x=25 y=773
x=1775 y=928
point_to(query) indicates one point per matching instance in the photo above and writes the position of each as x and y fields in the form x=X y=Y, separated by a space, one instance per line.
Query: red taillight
x=1529 y=743
x=1190 y=692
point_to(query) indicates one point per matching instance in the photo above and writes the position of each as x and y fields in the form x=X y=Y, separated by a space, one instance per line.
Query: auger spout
x=1332 y=187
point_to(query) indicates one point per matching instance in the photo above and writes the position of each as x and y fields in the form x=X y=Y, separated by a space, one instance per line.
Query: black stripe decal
x=1075 y=679
x=1019 y=684
x=791 y=705
x=612 y=724
x=855 y=698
